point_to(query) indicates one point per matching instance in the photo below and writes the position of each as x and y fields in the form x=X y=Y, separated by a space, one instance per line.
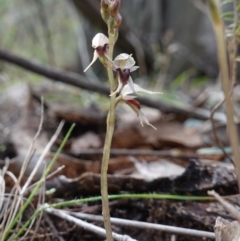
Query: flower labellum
x=124 y=64
x=136 y=107
x=100 y=43
x=128 y=98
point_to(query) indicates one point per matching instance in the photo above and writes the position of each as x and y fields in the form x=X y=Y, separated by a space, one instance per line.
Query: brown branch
x=52 y=73
x=84 y=83
x=132 y=152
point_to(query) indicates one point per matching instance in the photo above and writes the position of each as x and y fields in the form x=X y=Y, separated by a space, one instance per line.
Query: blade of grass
x=114 y=197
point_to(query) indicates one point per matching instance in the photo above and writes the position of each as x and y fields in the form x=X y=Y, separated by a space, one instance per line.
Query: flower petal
x=134 y=68
x=136 y=107
x=134 y=104
x=144 y=119
x=138 y=89
x=131 y=84
x=95 y=56
x=108 y=58
x=127 y=90
x=120 y=85
x=124 y=61
x=129 y=97
x=99 y=40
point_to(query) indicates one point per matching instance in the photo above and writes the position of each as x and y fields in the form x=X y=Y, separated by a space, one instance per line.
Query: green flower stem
x=107 y=145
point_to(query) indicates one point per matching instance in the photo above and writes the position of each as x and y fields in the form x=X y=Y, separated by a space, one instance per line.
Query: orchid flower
x=100 y=43
x=128 y=98
x=124 y=64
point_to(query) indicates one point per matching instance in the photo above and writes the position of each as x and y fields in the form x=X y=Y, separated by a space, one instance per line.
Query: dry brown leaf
x=226 y=231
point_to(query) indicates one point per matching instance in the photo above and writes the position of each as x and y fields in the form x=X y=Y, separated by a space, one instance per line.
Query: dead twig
x=87 y=226
x=48 y=235
x=40 y=160
x=229 y=207
x=214 y=131
x=31 y=148
x=29 y=189
x=145 y=225
x=52 y=226
x=175 y=153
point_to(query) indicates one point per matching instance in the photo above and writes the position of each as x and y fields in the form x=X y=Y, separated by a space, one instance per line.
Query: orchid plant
x=126 y=90
x=123 y=64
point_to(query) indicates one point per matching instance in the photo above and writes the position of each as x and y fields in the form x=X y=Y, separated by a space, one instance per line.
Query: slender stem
x=114 y=197
x=107 y=146
x=223 y=64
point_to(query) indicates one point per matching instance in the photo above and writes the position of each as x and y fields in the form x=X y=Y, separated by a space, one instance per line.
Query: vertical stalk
x=224 y=70
x=107 y=146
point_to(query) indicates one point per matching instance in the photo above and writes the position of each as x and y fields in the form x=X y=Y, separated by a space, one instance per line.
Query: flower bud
x=105 y=16
x=114 y=8
x=117 y=21
x=105 y=10
x=105 y=5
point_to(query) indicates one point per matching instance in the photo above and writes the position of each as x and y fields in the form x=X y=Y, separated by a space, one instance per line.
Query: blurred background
x=172 y=41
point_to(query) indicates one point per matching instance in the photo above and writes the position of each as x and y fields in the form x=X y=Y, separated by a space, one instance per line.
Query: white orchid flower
x=124 y=64
x=100 y=43
x=128 y=98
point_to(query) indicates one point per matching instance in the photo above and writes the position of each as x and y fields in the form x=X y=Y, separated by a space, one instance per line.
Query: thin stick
x=145 y=225
x=44 y=153
x=222 y=58
x=87 y=226
x=55 y=232
x=174 y=153
x=47 y=177
x=214 y=131
x=31 y=148
x=233 y=69
x=229 y=207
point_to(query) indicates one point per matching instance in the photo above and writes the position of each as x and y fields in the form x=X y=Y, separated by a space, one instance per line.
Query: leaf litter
x=180 y=171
